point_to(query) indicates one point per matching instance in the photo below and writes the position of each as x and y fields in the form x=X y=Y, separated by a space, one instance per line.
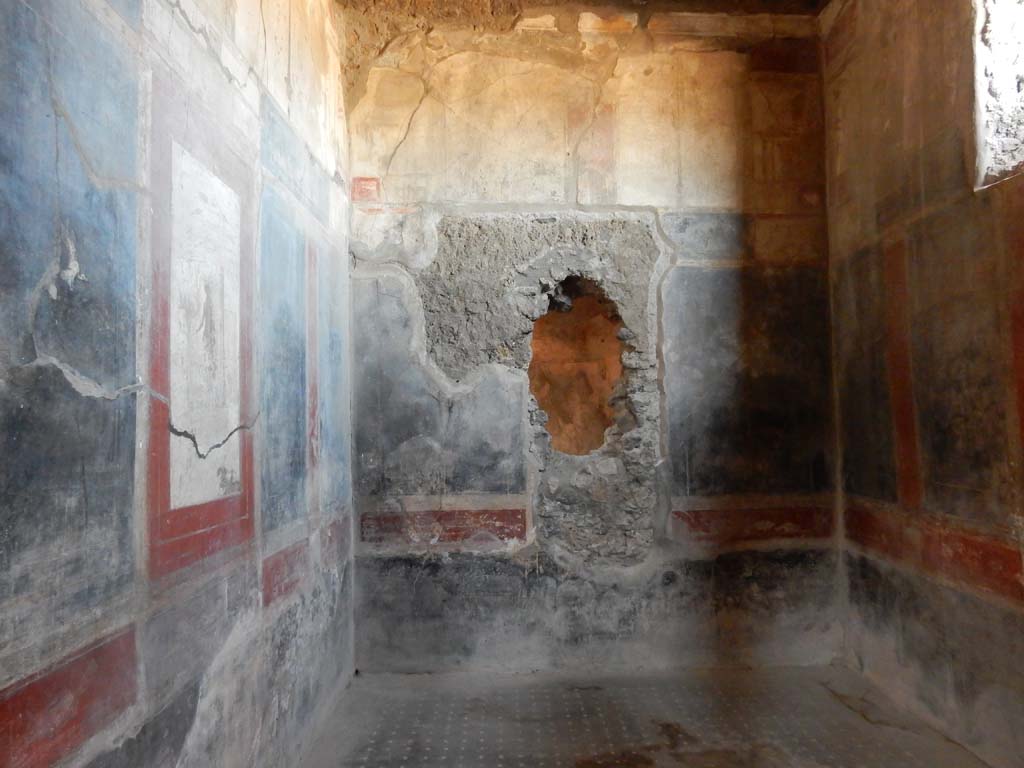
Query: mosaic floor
x=793 y=718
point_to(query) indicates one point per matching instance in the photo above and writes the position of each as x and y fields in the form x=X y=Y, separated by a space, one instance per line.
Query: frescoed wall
x=175 y=511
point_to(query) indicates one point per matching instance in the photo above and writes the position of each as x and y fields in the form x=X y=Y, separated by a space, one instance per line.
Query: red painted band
x=722 y=528
x=445 y=526
x=284 y=571
x=46 y=717
x=901 y=383
x=967 y=558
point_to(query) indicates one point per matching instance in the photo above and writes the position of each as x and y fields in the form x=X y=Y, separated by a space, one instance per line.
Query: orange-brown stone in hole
x=576 y=366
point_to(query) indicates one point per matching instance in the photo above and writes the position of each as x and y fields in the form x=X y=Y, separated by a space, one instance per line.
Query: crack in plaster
x=408 y=128
x=860 y=705
x=427 y=91
x=86 y=386
x=585 y=131
x=599 y=83
x=218 y=683
x=191 y=437
x=201 y=31
x=47 y=285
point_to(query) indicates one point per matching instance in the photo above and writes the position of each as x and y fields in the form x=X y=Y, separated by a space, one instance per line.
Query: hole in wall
x=576 y=367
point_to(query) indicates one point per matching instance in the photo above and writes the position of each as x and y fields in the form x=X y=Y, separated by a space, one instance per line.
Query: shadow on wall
x=748 y=381
x=746 y=376
x=745 y=311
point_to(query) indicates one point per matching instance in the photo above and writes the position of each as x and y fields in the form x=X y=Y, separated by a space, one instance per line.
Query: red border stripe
x=170 y=556
x=901 y=383
x=180 y=537
x=884 y=534
x=46 y=717
x=968 y=558
x=284 y=571
x=730 y=527
x=188 y=520
x=444 y=526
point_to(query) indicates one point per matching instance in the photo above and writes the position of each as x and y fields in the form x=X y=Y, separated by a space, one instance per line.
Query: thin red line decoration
x=1018 y=352
x=1012 y=213
x=901 y=382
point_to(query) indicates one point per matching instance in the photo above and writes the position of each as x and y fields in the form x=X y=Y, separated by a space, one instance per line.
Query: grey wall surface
x=68 y=253
x=422 y=614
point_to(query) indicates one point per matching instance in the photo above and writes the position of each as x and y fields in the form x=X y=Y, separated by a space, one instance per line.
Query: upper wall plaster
x=372 y=25
x=601 y=112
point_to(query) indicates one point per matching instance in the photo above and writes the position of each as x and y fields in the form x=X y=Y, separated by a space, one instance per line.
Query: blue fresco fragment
x=333 y=367
x=68 y=106
x=282 y=339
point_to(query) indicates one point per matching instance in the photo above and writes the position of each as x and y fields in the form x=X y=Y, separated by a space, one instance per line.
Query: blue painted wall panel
x=68 y=111
x=288 y=158
x=281 y=313
x=333 y=366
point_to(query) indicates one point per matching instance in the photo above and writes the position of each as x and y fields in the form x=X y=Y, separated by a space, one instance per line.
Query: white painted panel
x=205 y=330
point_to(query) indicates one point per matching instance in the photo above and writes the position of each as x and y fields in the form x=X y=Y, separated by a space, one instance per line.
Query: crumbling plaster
x=477 y=314
x=999 y=90
x=490 y=165
x=597 y=506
